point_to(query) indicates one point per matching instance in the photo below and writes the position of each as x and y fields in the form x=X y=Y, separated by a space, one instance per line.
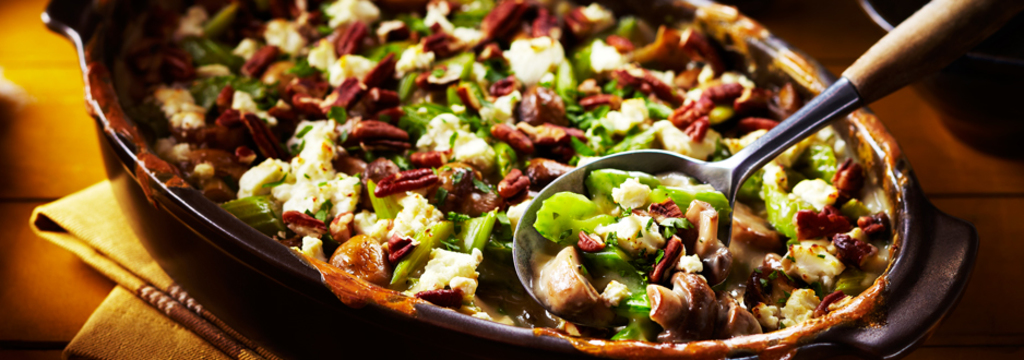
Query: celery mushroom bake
x=401 y=142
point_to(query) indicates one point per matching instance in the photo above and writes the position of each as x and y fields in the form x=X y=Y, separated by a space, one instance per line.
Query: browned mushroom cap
x=364 y=258
x=568 y=292
x=463 y=196
x=715 y=256
x=542 y=171
x=768 y=283
x=687 y=312
x=541 y=105
x=752 y=230
x=734 y=320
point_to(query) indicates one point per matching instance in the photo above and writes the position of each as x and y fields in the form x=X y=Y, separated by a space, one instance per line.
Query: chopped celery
x=852 y=282
x=220 y=22
x=386 y=207
x=720 y=114
x=684 y=196
x=639 y=328
x=854 y=209
x=612 y=260
x=209 y=52
x=781 y=209
x=465 y=60
x=258 y=212
x=563 y=215
x=505 y=156
x=476 y=231
x=581 y=62
x=638 y=141
x=565 y=83
x=452 y=95
x=407 y=85
x=658 y=111
x=601 y=182
x=750 y=191
x=418 y=257
x=378 y=53
x=818 y=162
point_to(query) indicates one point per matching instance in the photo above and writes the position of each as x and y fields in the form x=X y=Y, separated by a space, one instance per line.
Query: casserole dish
x=261 y=286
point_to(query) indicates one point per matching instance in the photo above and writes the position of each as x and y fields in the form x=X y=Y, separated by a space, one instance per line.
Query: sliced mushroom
x=715 y=256
x=734 y=320
x=768 y=283
x=542 y=171
x=542 y=106
x=687 y=312
x=568 y=292
x=363 y=257
x=752 y=230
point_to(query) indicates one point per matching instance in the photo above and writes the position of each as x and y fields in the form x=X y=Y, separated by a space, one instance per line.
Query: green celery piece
x=377 y=53
x=851 y=282
x=407 y=85
x=565 y=82
x=627 y=28
x=581 y=62
x=639 y=328
x=221 y=21
x=452 y=95
x=499 y=251
x=258 y=212
x=477 y=231
x=818 y=162
x=683 y=197
x=208 y=52
x=601 y=182
x=638 y=141
x=781 y=209
x=418 y=257
x=854 y=209
x=465 y=60
x=750 y=191
x=505 y=156
x=477 y=92
x=612 y=259
x=563 y=215
x=720 y=114
x=386 y=207
x=658 y=111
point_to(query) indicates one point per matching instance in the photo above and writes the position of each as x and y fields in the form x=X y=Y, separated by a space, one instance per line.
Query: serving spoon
x=929 y=40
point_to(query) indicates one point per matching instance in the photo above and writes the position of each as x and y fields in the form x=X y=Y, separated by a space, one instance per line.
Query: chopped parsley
x=457 y=217
x=325 y=211
x=458 y=176
x=482 y=186
x=338 y=114
x=276 y=183
x=452 y=139
x=451 y=243
x=821 y=256
x=440 y=196
x=302 y=68
x=303 y=131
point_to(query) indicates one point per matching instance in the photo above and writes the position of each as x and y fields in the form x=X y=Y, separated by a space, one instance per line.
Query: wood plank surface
x=49 y=149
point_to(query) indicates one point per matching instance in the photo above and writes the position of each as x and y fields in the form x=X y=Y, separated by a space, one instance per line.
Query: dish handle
x=924 y=284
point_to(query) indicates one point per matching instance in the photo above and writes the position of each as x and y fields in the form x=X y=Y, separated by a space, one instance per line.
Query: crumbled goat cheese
x=504 y=108
x=614 y=293
x=468 y=147
x=530 y=59
x=604 y=57
x=343 y=12
x=414 y=58
x=799 y=307
x=246 y=48
x=631 y=194
x=267 y=172
x=349 y=66
x=416 y=216
x=323 y=55
x=446 y=266
x=285 y=35
x=191 y=24
x=675 y=140
x=811 y=262
x=816 y=192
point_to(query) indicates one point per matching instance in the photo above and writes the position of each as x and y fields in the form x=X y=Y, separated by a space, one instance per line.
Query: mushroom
x=715 y=256
x=734 y=320
x=463 y=196
x=567 y=291
x=687 y=312
x=752 y=230
x=364 y=258
x=541 y=105
x=768 y=284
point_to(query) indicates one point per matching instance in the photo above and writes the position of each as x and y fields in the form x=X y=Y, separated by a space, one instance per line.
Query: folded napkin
x=147 y=316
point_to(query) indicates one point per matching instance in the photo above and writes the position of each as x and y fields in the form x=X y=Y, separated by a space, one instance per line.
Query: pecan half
x=786 y=101
x=177 y=64
x=491 y=51
x=852 y=251
x=265 y=139
x=284 y=113
x=469 y=98
x=350 y=39
x=345 y=95
x=244 y=155
x=431 y=82
x=405 y=181
x=446 y=298
x=504 y=19
x=829 y=299
x=515 y=138
x=542 y=171
x=389 y=115
x=260 y=60
x=429 y=159
x=645 y=82
x=698 y=129
x=398 y=247
x=308 y=105
x=384 y=70
x=504 y=86
x=811 y=225
x=623 y=45
x=588 y=88
x=229 y=118
x=312 y=86
x=692 y=110
x=673 y=249
x=441 y=44
x=379 y=99
x=724 y=93
x=664 y=210
x=750 y=124
x=697 y=47
x=752 y=100
x=377 y=135
x=341 y=227
x=393 y=30
x=225 y=98
x=687 y=79
x=550 y=134
x=875 y=226
x=849 y=177
x=513 y=184
x=590 y=102
x=303 y=224
x=590 y=242
x=546 y=24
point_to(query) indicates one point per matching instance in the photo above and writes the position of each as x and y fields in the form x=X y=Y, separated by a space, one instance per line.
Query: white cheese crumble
x=632 y=112
x=414 y=58
x=530 y=59
x=363 y=222
x=267 y=172
x=212 y=70
x=349 y=66
x=244 y=103
x=445 y=267
x=416 y=216
x=285 y=35
x=169 y=150
x=515 y=212
x=631 y=194
x=467 y=37
x=767 y=315
x=614 y=293
x=191 y=24
x=503 y=109
x=343 y=12
x=313 y=248
x=811 y=262
x=322 y=55
x=675 y=140
x=816 y=192
x=799 y=307
x=600 y=16
x=604 y=57
x=246 y=48
x=468 y=147
x=437 y=14
x=636 y=234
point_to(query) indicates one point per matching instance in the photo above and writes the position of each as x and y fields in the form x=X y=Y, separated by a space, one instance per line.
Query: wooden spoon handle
x=929 y=40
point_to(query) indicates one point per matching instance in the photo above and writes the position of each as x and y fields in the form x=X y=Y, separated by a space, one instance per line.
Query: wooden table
x=48 y=150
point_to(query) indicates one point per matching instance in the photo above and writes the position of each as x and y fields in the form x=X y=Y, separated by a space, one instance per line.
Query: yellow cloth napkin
x=147 y=316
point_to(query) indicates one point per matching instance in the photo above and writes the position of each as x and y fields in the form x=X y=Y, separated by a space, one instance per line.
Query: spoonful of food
x=555 y=274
